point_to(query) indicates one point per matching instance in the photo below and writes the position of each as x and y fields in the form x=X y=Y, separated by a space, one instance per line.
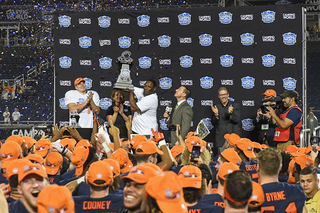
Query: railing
x=315 y=131
x=303 y=142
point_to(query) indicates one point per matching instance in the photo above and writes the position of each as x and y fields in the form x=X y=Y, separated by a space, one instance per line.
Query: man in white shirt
x=145 y=109
x=16 y=115
x=6 y=116
x=84 y=102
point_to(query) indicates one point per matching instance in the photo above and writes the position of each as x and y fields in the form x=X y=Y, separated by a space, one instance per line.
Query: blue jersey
x=251 y=168
x=69 y=174
x=282 y=197
x=110 y=203
x=84 y=189
x=3 y=179
x=204 y=208
x=213 y=199
x=17 y=206
x=54 y=178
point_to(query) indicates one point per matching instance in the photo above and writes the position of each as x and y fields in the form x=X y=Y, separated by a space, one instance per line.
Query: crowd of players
x=72 y=174
x=69 y=173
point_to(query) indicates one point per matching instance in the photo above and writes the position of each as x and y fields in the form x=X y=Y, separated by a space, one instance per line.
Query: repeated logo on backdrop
x=202 y=58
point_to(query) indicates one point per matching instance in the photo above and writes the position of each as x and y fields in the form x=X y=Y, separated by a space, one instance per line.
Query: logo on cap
x=99 y=175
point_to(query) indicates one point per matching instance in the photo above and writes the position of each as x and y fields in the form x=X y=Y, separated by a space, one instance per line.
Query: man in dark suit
x=182 y=114
x=225 y=119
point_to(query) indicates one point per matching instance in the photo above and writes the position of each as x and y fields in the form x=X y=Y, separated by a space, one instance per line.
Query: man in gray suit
x=225 y=119
x=182 y=114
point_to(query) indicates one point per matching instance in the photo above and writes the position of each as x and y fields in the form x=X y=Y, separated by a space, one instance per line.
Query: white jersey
x=86 y=114
x=15 y=116
x=146 y=118
x=6 y=116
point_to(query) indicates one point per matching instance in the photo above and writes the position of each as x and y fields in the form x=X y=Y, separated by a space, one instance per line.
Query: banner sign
x=246 y=49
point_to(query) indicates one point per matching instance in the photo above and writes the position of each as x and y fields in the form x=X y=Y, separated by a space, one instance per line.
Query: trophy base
x=119 y=85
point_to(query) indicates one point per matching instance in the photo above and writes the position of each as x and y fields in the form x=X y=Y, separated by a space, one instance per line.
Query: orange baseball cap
x=256 y=145
x=10 y=150
x=79 y=157
x=304 y=161
x=308 y=150
x=257 y=197
x=291 y=149
x=148 y=148
x=100 y=170
x=84 y=142
x=141 y=174
x=55 y=198
x=135 y=140
x=15 y=165
x=231 y=156
x=247 y=147
x=176 y=150
x=31 y=168
x=35 y=158
x=166 y=189
x=15 y=138
x=42 y=147
x=53 y=162
x=227 y=168
x=78 y=81
x=195 y=141
x=122 y=157
x=69 y=143
x=114 y=166
x=270 y=93
x=190 y=134
x=154 y=166
x=232 y=138
x=190 y=176
x=264 y=146
x=29 y=141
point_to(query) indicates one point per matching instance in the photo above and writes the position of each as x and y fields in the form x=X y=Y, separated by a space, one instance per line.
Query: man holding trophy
x=145 y=108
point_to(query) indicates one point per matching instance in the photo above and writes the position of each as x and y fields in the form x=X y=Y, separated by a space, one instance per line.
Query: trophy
x=124 y=81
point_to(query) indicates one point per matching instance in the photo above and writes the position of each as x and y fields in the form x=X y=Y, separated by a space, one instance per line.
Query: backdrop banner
x=246 y=49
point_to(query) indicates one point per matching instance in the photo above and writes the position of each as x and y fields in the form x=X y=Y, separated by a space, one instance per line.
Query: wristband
x=65 y=151
x=161 y=143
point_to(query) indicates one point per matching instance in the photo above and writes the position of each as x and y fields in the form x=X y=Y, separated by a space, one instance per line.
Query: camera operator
x=289 y=122
x=263 y=121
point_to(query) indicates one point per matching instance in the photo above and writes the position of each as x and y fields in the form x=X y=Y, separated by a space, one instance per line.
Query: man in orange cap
x=43 y=147
x=191 y=178
x=30 y=144
x=164 y=193
x=263 y=121
x=249 y=162
x=53 y=166
x=133 y=191
x=225 y=119
x=32 y=179
x=9 y=151
x=99 y=177
x=55 y=198
x=301 y=161
x=279 y=196
x=228 y=155
x=21 y=142
x=83 y=102
x=237 y=191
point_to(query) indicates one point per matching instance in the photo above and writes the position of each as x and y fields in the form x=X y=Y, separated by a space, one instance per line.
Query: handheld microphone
x=169 y=109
